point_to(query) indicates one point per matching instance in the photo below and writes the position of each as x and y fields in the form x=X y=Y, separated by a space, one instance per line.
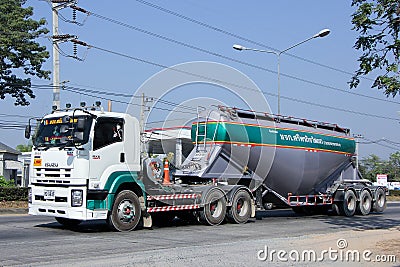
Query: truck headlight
x=29 y=195
x=76 y=198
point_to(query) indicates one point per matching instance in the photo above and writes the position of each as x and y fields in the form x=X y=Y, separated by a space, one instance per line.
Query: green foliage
x=373 y=165
x=19 y=53
x=378 y=23
x=13 y=193
x=24 y=148
x=5 y=183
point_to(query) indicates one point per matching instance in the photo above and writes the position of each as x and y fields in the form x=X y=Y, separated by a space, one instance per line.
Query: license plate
x=49 y=194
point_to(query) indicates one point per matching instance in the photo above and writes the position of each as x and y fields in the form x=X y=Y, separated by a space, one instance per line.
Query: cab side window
x=107 y=131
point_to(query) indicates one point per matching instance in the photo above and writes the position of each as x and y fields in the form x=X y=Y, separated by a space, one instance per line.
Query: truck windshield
x=57 y=131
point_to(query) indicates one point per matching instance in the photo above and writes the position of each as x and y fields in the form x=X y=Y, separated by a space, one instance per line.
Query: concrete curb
x=13 y=211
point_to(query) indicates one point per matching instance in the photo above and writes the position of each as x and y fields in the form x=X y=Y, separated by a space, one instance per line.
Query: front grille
x=48 y=181
x=52 y=172
x=56 y=199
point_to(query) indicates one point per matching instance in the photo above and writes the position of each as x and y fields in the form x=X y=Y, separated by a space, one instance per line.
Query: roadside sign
x=381 y=179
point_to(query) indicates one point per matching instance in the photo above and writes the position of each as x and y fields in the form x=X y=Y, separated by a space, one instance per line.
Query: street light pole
x=278 y=54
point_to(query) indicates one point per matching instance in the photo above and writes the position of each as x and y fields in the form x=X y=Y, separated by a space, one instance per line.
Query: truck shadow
x=84 y=227
x=101 y=225
x=361 y=223
x=332 y=221
x=358 y=222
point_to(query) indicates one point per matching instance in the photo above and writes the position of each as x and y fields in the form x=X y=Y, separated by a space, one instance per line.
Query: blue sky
x=313 y=75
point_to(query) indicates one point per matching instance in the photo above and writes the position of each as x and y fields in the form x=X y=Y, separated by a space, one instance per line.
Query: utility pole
x=56 y=6
x=143 y=109
x=56 y=60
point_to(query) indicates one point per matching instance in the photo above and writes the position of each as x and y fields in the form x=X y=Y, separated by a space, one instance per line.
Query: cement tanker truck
x=90 y=165
x=307 y=165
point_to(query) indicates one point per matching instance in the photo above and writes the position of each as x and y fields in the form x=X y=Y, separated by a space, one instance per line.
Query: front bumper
x=60 y=204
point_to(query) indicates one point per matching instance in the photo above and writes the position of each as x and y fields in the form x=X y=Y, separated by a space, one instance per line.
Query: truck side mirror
x=78 y=136
x=28 y=131
x=80 y=126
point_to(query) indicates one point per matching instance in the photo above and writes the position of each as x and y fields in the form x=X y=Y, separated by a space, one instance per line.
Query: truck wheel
x=365 y=204
x=380 y=200
x=126 y=213
x=214 y=209
x=240 y=211
x=68 y=222
x=349 y=204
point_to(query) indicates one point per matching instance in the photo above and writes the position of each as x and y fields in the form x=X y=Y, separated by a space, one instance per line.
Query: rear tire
x=240 y=211
x=68 y=222
x=365 y=204
x=349 y=204
x=380 y=200
x=126 y=213
x=214 y=210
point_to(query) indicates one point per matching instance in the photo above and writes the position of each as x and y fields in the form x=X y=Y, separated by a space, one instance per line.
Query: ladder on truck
x=201 y=130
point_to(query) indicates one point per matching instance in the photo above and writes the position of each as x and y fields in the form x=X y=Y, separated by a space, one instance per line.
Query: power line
x=233 y=59
x=122 y=102
x=378 y=142
x=130 y=96
x=240 y=86
x=214 y=28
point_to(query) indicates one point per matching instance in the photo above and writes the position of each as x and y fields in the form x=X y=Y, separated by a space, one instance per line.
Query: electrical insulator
x=74 y=15
x=75 y=49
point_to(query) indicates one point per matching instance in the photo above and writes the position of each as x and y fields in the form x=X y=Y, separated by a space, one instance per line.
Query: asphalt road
x=40 y=241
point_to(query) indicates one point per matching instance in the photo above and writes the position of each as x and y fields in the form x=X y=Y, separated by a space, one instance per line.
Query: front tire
x=240 y=211
x=214 y=210
x=126 y=213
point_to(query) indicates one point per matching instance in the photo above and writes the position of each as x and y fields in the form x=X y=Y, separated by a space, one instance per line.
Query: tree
x=5 y=183
x=371 y=166
x=394 y=167
x=20 y=55
x=24 y=148
x=378 y=22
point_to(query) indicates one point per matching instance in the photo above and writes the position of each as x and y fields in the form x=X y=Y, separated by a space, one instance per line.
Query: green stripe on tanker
x=257 y=135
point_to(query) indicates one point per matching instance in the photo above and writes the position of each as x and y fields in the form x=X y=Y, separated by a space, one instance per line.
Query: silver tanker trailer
x=303 y=164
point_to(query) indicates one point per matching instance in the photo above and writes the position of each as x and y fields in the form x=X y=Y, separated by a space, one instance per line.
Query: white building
x=9 y=164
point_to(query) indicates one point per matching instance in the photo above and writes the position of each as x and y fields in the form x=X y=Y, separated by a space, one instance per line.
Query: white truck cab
x=78 y=159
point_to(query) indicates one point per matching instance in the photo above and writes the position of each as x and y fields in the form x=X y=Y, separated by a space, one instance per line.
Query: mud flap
x=253 y=209
x=147 y=221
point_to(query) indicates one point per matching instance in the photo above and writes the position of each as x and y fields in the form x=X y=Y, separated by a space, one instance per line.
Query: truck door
x=108 y=149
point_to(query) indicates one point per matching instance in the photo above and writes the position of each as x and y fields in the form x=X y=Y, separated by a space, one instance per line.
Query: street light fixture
x=321 y=33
